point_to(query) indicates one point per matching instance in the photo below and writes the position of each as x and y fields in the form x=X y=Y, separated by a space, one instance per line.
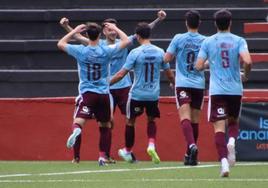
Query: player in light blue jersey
x=119 y=91
x=224 y=50
x=146 y=62
x=93 y=62
x=190 y=83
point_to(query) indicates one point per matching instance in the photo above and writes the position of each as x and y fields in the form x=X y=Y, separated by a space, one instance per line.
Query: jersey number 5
x=93 y=71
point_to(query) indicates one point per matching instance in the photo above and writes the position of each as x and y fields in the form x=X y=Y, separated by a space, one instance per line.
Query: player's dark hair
x=192 y=18
x=109 y=20
x=93 y=30
x=223 y=19
x=143 y=30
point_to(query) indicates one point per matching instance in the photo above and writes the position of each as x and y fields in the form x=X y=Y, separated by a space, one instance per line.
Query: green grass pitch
x=39 y=174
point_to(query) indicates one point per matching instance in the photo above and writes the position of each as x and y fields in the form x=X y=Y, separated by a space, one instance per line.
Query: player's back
x=92 y=67
x=223 y=54
x=117 y=60
x=148 y=63
x=186 y=47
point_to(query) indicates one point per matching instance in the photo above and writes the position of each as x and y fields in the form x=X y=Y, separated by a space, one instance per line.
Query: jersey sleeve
x=203 y=52
x=130 y=61
x=132 y=39
x=133 y=42
x=243 y=47
x=172 y=48
x=165 y=66
x=74 y=50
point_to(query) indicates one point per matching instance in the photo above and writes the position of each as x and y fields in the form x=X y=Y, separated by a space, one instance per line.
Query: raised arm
x=64 y=40
x=64 y=22
x=161 y=15
x=124 y=38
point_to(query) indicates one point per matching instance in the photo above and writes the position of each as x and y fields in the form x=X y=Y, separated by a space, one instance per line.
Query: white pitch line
x=124 y=170
x=252 y=164
x=139 y=180
x=109 y=171
x=14 y=175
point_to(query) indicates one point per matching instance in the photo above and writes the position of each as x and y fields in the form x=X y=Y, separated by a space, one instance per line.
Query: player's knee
x=112 y=124
x=130 y=122
x=232 y=120
x=80 y=121
x=105 y=124
x=150 y=119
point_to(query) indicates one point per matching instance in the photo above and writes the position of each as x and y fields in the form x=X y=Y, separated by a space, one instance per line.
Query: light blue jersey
x=116 y=62
x=222 y=50
x=185 y=48
x=93 y=64
x=146 y=60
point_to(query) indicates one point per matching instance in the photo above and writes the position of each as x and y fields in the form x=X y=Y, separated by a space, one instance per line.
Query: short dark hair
x=143 y=30
x=223 y=19
x=93 y=30
x=192 y=18
x=109 y=20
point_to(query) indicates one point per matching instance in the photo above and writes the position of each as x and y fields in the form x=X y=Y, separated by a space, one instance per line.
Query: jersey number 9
x=225 y=58
x=190 y=60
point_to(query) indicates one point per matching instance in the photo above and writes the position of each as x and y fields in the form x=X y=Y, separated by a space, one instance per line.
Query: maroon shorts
x=92 y=105
x=120 y=97
x=136 y=108
x=221 y=107
x=78 y=99
x=191 y=96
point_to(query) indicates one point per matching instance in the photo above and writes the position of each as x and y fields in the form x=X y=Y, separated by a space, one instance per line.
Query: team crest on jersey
x=183 y=95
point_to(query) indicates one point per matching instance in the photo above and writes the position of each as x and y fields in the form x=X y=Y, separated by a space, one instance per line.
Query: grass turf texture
x=52 y=174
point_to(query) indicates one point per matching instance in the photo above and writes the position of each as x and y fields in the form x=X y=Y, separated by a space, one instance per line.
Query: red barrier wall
x=257 y=27
x=37 y=129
